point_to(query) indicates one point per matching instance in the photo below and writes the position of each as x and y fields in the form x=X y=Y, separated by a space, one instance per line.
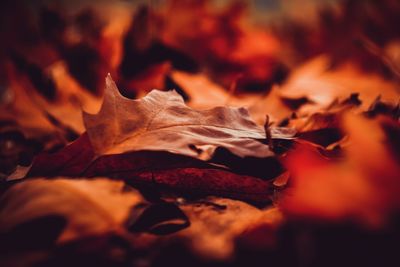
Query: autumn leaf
x=217 y=222
x=279 y=147
x=154 y=170
x=203 y=93
x=80 y=202
x=358 y=188
x=161 y=121
x=323 y=86
x=29 y=117
x=120 y=138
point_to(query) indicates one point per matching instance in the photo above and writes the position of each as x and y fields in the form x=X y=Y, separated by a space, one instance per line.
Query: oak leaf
x=160 y=142
x=162 y=121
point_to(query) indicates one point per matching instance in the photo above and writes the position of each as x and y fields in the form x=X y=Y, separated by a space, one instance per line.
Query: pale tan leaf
x=162 y=121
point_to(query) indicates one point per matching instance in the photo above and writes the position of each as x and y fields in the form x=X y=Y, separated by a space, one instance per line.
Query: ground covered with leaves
x=187 y=133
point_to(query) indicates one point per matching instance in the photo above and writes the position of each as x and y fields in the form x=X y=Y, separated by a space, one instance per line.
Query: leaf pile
x=218 y=143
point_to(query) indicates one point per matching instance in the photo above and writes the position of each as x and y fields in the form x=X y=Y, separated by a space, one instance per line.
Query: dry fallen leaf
x=72 y=98
x=203 y=93
x=90 y=207
x=358 y=188
x=23 y=110
x=161 y=121
x=215 y=226
x=37 y=115
x=217 y=222
x=328 y=197
x=154 y=170
x=120 y=134
x=322 y=86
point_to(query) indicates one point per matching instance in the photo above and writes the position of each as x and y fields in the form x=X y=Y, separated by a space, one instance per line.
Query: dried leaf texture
x=162 y=121
x=90 y=207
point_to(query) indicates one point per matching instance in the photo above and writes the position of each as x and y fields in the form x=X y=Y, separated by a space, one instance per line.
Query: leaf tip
x=111 y=89
x=109 y=79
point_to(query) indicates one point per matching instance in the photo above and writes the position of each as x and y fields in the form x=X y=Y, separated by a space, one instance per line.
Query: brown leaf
x=161 y=121
x=203 y=93
x=38 y=115
x=322 y=85
x=90 y=207
x=71 y=99
x=22 y=109
x=217 y=222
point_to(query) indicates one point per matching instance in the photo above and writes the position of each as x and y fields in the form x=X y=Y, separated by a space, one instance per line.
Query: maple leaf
x=80 y=202
x=162 y=121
